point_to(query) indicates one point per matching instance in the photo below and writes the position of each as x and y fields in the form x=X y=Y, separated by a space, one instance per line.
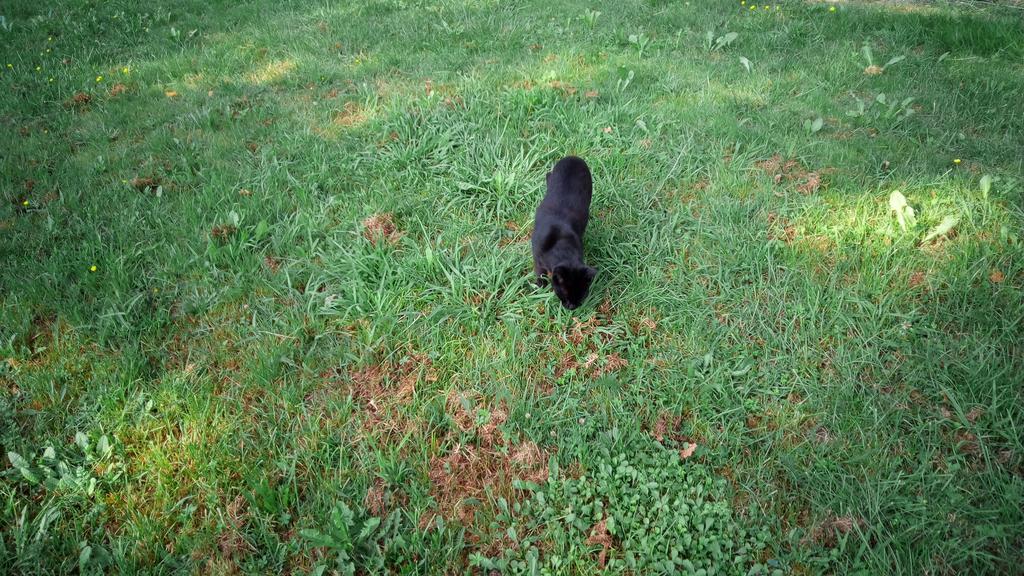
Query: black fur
x=558 y=229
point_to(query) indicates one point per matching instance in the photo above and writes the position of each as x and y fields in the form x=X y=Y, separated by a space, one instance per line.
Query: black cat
x=558 y=229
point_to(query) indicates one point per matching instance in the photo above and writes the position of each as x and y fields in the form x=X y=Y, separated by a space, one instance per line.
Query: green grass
x=247 y=382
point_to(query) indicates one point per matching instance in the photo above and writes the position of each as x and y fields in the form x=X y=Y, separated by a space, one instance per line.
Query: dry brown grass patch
x=381 y=227
x=811 y=184
x=780 y=228
x=223 y=232
x=644 y=323
x=381 y=499
x=78 y=101
x=230 y=542
x=967 y=444
x=351 y=114
x=379 y=390
x=517 y=236
x=472 y=471
x=564 y=87
x=612 y=363
x=466 y=472
x=828 y=532
x=566 y=363
x=461 y=407
x=144 y=183
x=593 y=366
x=667 y=426
x=366 y=387
x=582 y=330
x=410 y=371
x=600 y=536
x=791 y=172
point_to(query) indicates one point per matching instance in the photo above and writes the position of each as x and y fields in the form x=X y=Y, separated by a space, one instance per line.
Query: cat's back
x=571 y=177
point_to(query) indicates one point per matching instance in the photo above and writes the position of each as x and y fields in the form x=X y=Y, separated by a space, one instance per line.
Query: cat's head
x=572 y=284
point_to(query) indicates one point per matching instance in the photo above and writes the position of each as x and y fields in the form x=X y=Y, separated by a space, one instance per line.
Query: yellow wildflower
x=956 y=160
x=92 y=268
x=831 y=8
x=99 y=78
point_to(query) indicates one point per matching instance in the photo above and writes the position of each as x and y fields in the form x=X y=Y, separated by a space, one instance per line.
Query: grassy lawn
x=266 y=307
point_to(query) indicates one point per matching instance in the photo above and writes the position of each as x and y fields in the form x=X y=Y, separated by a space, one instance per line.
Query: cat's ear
x=589 y=273
x=558 y=274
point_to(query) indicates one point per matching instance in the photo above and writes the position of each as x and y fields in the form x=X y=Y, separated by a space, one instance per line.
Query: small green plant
x=177 y=35
x=942 y=228
x=640 y=41
x=814 y=126
x=986 y=185
x=591 y=16
x=713 y=43
x=904 y=212
x=881 y=108
x=873 y=70
x=350 y=538
x=394 y=469
x=273 y=500
x=898 y=111
x=70 y=472
x=625 y=79
x=63 y=480
x=637 y=513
